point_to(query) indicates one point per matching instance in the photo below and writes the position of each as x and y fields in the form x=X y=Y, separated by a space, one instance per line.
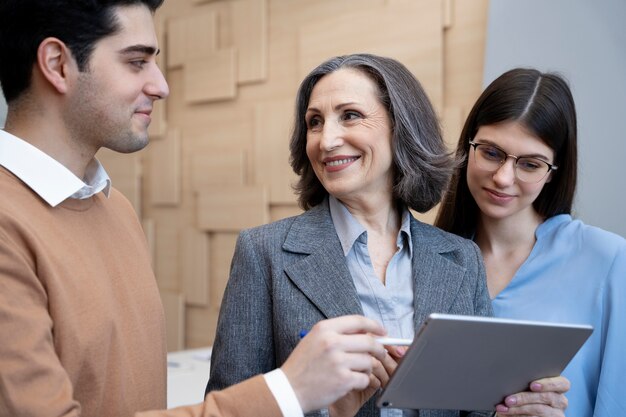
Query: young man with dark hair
x=81 y=323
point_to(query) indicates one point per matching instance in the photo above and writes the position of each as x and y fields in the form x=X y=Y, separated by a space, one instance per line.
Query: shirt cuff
x=283 y=393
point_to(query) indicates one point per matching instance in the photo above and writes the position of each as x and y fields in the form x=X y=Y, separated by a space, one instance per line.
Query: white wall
x=586 y=42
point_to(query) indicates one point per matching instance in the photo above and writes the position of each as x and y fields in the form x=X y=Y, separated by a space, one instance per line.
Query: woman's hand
x=349 y=405
x=545 y=399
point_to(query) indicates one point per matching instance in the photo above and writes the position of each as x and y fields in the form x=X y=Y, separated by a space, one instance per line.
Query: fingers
x=380 y=372
x=397 y=352
x=351 y=325
x=535 y=410
x=558 y=384
x=534 y=404
x=390 y=364
x=334 y=358
x=545 y=398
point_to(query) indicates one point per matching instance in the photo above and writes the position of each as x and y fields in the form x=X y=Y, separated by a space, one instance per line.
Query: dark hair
x=24 y=24
x=543 y=104
x=421 y=163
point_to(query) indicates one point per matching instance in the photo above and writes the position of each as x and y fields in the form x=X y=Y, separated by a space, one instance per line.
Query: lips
x=499 y=197
x=147 y=112
x=339 y=162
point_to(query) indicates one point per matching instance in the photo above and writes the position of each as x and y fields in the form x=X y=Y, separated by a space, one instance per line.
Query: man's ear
x=55 y=62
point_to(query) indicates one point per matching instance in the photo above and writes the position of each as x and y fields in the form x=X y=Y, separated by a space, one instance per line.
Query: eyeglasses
x=527 y=169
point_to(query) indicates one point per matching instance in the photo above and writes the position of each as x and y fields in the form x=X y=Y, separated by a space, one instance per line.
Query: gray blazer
x=288 y=275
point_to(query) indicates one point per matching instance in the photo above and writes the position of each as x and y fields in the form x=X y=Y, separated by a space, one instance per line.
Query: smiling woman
x=542 y=264
x=367 y=147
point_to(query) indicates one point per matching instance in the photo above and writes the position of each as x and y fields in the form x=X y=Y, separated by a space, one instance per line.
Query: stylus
x=394 y=341
x=389 y=341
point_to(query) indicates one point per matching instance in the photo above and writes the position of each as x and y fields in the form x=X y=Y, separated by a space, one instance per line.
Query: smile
x=340 y=161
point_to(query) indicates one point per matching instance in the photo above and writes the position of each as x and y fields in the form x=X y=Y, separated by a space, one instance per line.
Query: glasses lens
x=488 y=157
x=531 y=169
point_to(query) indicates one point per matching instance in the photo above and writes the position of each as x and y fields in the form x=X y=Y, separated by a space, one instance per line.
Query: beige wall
x=218 y=158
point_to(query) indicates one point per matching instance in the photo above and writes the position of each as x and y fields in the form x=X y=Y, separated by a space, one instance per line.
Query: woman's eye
x=492 y=153
x=351 y=115
x=313 y=122
x=529 y=164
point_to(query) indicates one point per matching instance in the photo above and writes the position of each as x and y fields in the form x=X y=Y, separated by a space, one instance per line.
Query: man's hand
x=545 y=399
x=334 y=358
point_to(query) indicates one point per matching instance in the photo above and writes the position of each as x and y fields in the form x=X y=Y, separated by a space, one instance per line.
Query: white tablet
x=472 y=363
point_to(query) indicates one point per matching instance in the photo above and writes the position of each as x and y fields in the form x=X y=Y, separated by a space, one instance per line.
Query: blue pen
x=388 y=341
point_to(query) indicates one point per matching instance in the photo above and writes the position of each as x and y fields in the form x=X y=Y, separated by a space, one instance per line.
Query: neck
x=50 y=135
x=509 y=234
x=381 y=217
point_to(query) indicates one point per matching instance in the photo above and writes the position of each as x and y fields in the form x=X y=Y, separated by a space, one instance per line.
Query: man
x=81 y=322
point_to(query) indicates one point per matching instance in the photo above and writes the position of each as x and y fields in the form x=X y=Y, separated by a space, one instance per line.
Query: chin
x=130 y=145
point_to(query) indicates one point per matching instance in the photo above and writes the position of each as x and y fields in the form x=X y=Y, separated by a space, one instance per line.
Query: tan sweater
x=81 y=323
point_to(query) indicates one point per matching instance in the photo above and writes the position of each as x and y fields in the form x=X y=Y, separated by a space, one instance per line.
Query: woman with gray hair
x=367 y=147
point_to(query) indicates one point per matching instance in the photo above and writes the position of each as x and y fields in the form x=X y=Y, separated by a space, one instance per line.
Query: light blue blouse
x=577 y=274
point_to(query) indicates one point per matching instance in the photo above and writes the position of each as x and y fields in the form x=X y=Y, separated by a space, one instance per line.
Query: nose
x=157 y=87
x=505 y=175
x=331 y=136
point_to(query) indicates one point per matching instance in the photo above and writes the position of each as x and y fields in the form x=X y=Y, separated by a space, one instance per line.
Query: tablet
x=471 y=363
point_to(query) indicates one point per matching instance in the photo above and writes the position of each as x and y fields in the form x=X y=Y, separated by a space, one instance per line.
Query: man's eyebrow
x=144 y=49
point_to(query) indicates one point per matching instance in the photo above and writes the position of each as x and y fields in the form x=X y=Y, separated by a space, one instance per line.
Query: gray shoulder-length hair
x=422 y=164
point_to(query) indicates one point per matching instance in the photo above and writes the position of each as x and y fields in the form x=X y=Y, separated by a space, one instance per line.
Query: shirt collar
x=47 y=177
x=349 y=229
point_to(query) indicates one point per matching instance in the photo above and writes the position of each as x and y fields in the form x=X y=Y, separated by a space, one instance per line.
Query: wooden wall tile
x=201 y=323
x=158 y=125
x=125 y=173
x=149 y=230
x=164 y=169
x=272 y=123
x=249 y=28
x=191 y=37
x=448 y=13
x=282 y=211
x=213 y=77
x=194 y=266
x=452 y=123
x=174 y=307
x=166 y=261
x=220 y=167
x=464 y=46
x=409 y=31
x=232 y=208
x=222 y=251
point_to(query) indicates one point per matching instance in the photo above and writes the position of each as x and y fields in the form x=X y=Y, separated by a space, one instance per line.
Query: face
x=499 y=194
x=111 y=103
x=349 y=137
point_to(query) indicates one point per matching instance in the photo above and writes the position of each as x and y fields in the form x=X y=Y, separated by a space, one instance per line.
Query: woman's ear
x=55 y=61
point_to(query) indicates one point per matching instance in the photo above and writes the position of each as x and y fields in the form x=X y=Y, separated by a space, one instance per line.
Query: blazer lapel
x=436 y=279
x=316 y=265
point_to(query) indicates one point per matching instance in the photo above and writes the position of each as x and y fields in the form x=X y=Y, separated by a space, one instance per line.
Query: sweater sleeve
x=249 y=398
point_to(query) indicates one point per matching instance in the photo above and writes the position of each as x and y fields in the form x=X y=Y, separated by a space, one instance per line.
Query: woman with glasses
x=512 y=194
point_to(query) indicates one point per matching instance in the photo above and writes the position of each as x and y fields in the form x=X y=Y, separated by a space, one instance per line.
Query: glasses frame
x=551 y=167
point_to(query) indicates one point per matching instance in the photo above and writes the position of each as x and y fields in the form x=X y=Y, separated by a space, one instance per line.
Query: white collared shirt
x=50 y=179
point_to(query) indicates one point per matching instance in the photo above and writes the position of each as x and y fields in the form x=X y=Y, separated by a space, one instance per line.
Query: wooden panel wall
x=218 y=158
